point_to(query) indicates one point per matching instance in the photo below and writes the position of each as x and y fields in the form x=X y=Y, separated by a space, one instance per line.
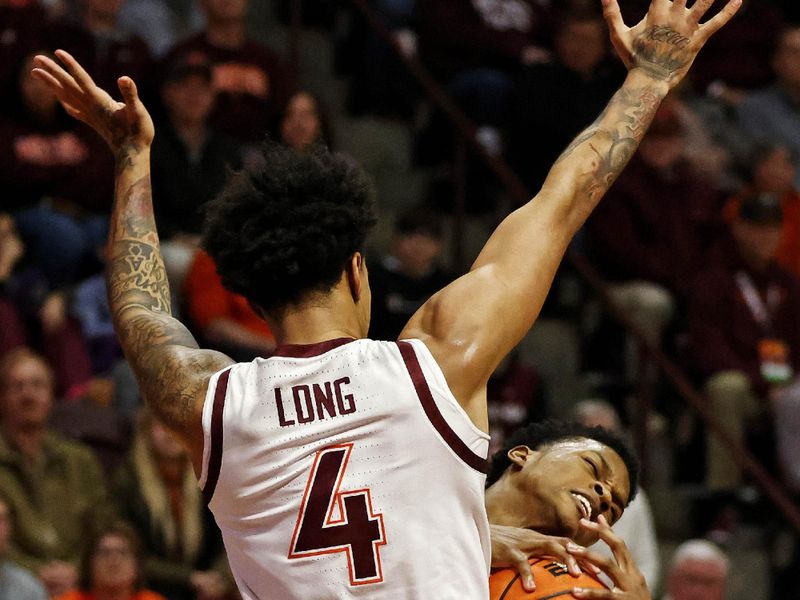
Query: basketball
x=551 y=577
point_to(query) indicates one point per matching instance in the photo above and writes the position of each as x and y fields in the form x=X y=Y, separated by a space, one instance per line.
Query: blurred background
x=675 y=317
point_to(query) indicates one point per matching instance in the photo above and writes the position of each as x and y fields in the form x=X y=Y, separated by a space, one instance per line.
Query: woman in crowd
x=111 y=568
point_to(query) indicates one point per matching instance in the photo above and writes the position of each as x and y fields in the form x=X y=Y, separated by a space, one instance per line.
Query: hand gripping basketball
x=629 y=583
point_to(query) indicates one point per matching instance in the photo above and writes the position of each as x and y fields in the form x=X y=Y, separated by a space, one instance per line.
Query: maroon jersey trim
x=215 y=453
x=436 y=418
x=309 y=350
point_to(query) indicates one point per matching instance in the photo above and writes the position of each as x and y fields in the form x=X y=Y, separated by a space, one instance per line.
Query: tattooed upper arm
x=172 y=371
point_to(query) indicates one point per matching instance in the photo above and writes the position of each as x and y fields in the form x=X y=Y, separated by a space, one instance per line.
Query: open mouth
x=584 y=506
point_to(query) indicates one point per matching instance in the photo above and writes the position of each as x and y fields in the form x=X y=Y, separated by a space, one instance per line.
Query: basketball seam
x=508 y=587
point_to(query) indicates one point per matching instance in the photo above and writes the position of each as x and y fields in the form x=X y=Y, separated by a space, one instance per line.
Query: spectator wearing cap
x=409 y=274
x=773 y=171
x=251 y=80
x=744 y=329
x=191 y=160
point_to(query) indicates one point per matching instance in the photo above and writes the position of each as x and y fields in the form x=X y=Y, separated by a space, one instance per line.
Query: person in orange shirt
x=111 y=568
x=773 y=172
x=224 y=320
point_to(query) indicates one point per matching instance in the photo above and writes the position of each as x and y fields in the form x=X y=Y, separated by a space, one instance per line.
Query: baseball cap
x=761 y=209
x=186 y=66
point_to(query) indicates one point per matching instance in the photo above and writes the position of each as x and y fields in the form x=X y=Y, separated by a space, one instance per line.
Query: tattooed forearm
x=136 y=271
x=662 y=52
x=598 y=155
x=137 y=277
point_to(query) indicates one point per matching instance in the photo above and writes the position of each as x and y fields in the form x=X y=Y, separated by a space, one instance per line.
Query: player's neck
x=318 y=321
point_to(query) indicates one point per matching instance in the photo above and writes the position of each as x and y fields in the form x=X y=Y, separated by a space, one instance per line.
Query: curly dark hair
x=544 y=433
x=287 y=227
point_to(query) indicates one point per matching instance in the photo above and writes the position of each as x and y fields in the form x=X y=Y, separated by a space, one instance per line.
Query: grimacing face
x=563 y=482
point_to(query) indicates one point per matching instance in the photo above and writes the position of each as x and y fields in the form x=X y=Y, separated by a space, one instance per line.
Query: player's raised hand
x=667 y=40
x=629 y=583
x=122 y=124
x=512 y=546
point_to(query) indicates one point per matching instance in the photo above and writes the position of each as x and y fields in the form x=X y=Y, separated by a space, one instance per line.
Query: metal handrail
x=516 y=189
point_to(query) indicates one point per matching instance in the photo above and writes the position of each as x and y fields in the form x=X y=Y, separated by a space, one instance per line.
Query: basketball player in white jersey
x=343 y=467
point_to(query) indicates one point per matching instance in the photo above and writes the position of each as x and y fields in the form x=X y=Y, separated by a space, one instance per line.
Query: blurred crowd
x=699 y=241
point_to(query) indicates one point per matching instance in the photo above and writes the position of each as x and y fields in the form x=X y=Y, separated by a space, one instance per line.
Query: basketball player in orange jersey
x=344 y=467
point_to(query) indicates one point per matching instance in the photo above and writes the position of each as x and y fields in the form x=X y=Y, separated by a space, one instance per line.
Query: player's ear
x=356 y=275
x=519 y=455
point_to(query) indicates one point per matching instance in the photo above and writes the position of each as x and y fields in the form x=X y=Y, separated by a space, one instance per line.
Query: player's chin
x=573 y=530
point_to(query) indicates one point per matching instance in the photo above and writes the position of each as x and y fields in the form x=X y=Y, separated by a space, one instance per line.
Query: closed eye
x=594 y=468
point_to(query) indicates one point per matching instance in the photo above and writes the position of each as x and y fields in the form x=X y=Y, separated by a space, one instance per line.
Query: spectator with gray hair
x=698 y=571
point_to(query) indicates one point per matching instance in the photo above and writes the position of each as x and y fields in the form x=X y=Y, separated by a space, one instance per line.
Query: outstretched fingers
x=717 y=21
x=613 y=16
x=80 y=75
x=61 y=82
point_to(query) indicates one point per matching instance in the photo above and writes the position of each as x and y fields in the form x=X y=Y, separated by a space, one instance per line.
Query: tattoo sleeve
x=594 y=160
x=164 y=355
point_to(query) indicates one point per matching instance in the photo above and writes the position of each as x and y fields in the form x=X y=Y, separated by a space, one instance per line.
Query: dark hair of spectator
x=15 y=356
x=119 y=529
x=545 y=433
x=326 y=134
x=287 y=227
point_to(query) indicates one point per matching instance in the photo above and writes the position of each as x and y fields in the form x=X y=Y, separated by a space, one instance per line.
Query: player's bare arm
x=474 y=322
x=172 y=372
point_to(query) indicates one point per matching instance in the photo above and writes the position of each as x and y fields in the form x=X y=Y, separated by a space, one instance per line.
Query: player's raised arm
x=172 y=372
x=474 y=322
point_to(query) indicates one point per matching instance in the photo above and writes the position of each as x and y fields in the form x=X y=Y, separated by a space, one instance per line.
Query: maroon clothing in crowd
x=62 y=160
x=252 y=84
x=724 y=334
x=653 y=227
x=457 y=35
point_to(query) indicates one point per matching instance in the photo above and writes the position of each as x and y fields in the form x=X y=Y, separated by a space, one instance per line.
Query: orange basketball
x=551 y=577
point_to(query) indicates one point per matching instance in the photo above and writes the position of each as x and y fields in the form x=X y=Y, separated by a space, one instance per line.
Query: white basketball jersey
x=346 y=469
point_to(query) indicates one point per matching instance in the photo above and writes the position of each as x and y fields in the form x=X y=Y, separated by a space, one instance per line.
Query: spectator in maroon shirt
x=744 y=326
x=251 y=80
x=55 y=177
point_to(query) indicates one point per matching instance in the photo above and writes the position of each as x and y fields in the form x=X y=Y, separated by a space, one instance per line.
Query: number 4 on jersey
x=358 y=531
